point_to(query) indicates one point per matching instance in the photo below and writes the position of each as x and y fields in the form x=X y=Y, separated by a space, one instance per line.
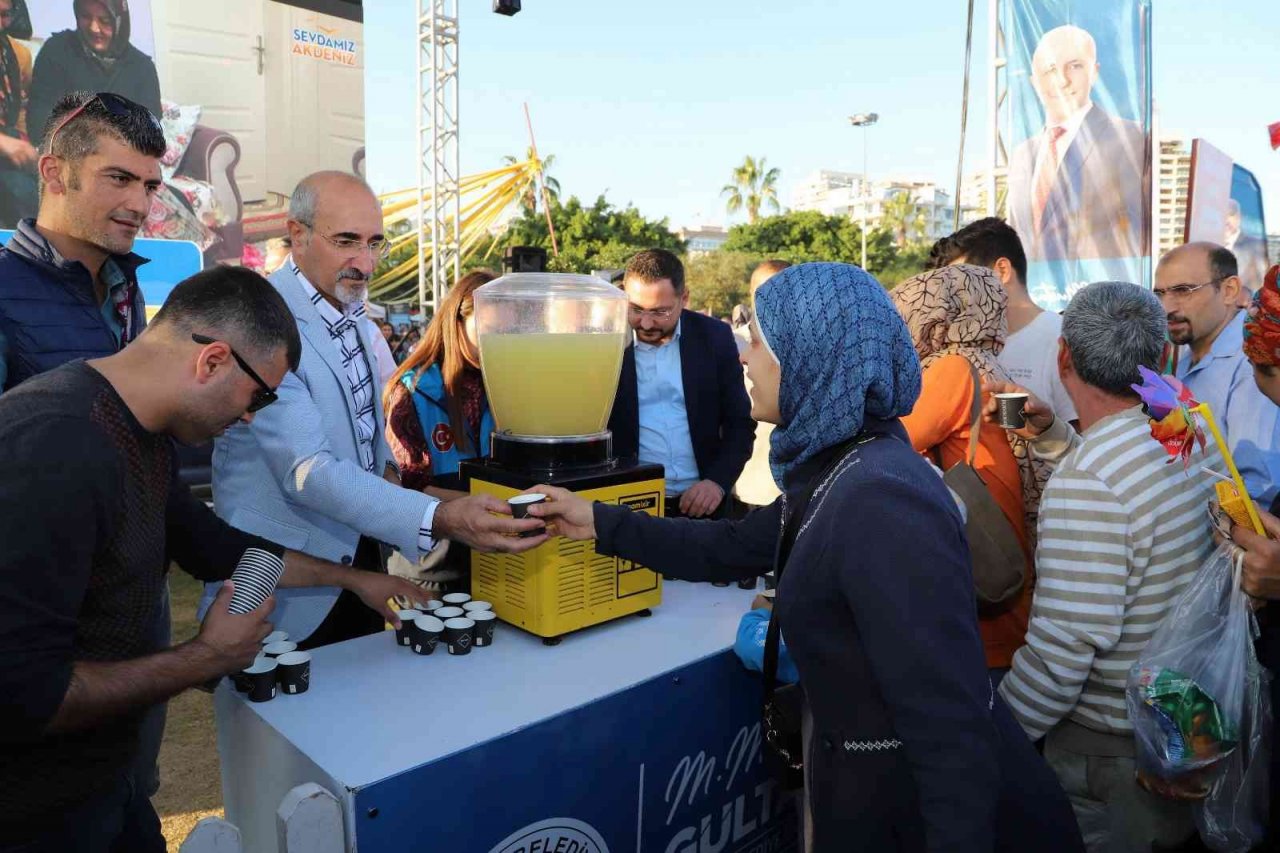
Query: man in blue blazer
x=313 y=472
x=682 y=401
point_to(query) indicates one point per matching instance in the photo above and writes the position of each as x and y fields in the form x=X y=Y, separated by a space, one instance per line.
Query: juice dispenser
x=551 y=350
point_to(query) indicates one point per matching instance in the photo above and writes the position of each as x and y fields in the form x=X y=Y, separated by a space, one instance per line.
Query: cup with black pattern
x=262 y=680
x=486 y=621
x=459 y=635
x=424 y=634
x=447 y=613
x=240 y=681
x=406 y=622
x=294 y=671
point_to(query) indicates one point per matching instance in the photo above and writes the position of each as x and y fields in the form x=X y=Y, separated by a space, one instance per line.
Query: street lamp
x=864 y=120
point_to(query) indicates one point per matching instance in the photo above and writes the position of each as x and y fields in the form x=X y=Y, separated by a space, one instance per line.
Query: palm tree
x=753 y=187
x=903 y=217
x=530 y=193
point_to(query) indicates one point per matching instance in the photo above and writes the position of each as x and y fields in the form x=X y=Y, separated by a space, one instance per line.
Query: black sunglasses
x=265 y=396
x=118 y=106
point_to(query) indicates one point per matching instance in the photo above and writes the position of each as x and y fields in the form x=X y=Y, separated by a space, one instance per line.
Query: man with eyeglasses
x=91 y=514
x=1199 y=287
x=314 y=471
x=682 y=399
x=68 y=277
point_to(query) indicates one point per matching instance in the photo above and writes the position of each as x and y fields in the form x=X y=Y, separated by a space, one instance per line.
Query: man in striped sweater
x=1121 y=533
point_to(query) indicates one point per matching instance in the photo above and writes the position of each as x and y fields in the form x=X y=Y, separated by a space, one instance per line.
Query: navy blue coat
x=715 y=398
x=48 y=312
x=911 y=749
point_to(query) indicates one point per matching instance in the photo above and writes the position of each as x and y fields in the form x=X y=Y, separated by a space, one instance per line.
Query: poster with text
x=1080 y=156
x=1224 y=206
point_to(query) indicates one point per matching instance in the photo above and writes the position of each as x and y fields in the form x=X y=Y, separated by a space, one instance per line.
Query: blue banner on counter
x=1080 y=162
x=672 y=765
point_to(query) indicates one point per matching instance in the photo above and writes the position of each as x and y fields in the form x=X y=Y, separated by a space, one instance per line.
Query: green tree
x=598 y=236
x=903 y=218
x=808 y=235
x=530 y=197
x=753 y=187
x=719 y=280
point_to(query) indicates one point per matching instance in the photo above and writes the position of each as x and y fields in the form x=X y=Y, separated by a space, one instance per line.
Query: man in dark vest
x=68 y=278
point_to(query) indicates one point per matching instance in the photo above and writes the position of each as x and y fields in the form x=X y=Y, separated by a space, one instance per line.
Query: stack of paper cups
x=255 y=577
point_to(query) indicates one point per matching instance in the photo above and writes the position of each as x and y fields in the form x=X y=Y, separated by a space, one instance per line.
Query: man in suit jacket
x=1078 y=189
x=313 y=472
x=682 y=401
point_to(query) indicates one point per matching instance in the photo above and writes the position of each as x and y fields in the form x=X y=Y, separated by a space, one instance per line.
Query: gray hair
x=1110 y=328
x=306 y=195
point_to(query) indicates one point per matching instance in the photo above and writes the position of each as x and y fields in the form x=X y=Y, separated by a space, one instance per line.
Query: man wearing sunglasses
x=91 y=514
x=314 y=471
x=1199 y=286
x=68 y=277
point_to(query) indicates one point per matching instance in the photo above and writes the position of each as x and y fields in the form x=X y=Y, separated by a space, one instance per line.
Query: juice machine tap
x=551 y=349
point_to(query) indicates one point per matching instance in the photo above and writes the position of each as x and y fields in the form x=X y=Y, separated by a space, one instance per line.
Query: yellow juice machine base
x=562 y=585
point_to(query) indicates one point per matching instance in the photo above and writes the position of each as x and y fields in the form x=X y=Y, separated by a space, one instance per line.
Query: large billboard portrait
x=1224 y=206
x=1080 y=163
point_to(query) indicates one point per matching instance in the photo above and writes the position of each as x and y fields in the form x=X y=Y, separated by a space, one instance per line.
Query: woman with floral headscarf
x=956 y=316
x=906 y=745
x=94 y=57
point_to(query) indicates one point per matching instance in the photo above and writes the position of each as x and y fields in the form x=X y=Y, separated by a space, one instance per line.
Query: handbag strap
x=790 y=530
x=975 y=414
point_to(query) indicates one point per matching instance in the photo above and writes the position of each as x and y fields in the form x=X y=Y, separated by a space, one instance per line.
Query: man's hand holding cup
x=1036 y=416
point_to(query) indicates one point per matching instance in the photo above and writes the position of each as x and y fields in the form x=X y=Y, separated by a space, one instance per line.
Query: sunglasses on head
x=265 y=395
x=118 y=106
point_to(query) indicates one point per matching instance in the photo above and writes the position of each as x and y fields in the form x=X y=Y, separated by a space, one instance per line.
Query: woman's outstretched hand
x=572 y=516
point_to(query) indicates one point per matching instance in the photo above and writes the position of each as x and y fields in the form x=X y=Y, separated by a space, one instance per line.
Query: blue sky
x=654 y=102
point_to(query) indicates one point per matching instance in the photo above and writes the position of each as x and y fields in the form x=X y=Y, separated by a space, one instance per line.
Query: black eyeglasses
x=265 y=396
x=118 y=106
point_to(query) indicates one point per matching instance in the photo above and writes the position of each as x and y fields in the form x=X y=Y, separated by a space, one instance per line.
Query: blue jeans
x=120 y=819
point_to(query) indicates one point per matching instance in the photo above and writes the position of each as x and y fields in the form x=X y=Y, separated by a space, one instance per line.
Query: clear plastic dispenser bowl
x=551 y=349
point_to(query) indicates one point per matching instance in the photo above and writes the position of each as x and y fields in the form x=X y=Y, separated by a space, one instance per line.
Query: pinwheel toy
x=1175 y=423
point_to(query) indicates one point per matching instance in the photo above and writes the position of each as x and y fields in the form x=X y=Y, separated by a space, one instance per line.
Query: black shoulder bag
x=784 y=705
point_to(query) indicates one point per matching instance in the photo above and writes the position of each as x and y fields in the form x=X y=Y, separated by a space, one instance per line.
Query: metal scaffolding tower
x=438 y=171
x=998 y=106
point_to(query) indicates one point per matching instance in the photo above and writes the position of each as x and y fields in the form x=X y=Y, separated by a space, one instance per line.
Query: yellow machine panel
x=562 y=585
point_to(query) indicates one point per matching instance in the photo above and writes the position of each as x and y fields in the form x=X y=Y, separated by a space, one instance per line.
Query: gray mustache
x=353 y=274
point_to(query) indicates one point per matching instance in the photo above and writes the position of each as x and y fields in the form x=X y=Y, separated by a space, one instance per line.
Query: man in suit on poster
x=1250 y=252
x=1078 y=188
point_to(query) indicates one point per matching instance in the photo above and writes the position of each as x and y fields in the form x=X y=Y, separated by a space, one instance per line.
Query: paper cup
x=459 y=635
x=448 y=612
x=472 y=606
x=275 y=637
x=406 y=620
x=281 y=648
x=1009 y=410
x=240 y=681
x=424 y=634
x=433 y=605
x=486 y=621
x=294 y=672
x=262 y=680
x=456 y=599
x=255 y=577
x=520 y=509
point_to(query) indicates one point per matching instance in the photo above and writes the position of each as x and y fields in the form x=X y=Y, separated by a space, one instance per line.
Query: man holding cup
x=91 y=513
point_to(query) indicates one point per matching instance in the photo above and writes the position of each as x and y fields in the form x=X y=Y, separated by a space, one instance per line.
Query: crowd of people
x=933 y=717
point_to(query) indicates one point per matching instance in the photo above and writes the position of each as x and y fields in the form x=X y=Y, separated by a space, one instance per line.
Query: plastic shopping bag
x=1198 y=702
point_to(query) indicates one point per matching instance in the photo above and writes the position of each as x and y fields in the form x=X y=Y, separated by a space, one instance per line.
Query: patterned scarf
x=845 y=355
x=1262 y=328
x=960 y=310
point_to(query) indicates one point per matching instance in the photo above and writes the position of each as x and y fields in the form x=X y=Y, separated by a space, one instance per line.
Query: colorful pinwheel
x=1169 y=404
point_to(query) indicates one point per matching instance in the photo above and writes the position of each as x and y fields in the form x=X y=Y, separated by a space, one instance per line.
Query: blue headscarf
x=845 y=354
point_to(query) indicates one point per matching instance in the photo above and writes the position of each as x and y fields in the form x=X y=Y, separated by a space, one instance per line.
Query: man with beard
x=314 y=472
x=91 y=514
x=68 y=278
x=1199 y=287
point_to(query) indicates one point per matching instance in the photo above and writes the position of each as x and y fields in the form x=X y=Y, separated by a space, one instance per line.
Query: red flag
x=1275 y=135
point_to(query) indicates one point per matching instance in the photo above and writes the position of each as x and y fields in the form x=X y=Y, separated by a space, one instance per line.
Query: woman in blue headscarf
x=906 y=745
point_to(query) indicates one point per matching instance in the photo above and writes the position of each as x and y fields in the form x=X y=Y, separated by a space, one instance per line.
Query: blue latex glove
x=749 y=646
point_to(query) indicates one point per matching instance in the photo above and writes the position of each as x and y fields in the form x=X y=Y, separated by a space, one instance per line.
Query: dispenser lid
x=541 y=285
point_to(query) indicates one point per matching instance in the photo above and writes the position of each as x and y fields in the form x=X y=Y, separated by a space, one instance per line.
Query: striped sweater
x=1121 y=533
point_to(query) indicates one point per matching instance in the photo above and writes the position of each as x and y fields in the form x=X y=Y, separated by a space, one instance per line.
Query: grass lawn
x=190 y=779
